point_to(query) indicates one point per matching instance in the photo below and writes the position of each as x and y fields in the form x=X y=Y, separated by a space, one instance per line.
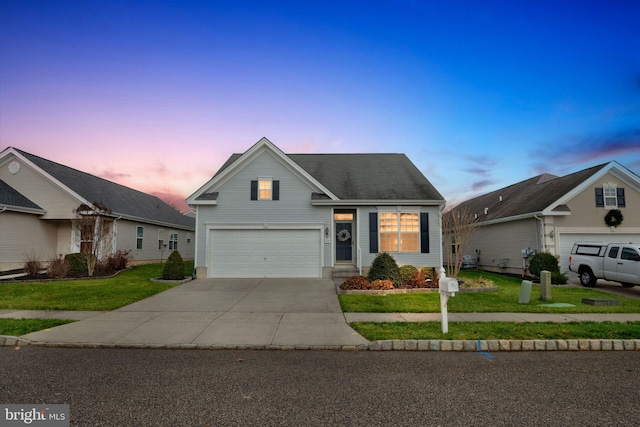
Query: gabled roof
x=359 y=177
x=12 y=199
x=122 y=201
x=544 y=193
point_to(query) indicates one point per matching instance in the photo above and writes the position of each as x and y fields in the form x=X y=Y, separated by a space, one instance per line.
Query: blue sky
x=479 y=95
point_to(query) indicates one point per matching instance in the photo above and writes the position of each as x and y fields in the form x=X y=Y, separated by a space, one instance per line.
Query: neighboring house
x=270 y=214
x=37 y=202
x=550 y=213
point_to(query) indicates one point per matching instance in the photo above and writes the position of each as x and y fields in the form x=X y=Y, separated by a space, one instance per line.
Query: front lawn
x=89 y=294
x=504 y=300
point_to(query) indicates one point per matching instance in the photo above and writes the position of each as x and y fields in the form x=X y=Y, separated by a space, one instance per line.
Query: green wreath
x=613 y=218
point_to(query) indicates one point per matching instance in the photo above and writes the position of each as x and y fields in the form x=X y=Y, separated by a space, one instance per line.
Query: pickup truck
x=618 y=262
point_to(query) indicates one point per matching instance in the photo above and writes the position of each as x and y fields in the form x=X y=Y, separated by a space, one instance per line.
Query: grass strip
x=504 y=300
x=498 y=330
x=17 y=327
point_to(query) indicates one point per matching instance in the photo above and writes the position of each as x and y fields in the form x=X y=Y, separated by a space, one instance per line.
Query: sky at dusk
x=156 y=95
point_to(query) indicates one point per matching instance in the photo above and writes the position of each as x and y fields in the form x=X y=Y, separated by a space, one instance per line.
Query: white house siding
x=503 y=243
x=235 y=207
x=431 y=259
x=41 y=191
x=24 y=234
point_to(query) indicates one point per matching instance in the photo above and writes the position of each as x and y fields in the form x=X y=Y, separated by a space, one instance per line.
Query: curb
x=386 y=345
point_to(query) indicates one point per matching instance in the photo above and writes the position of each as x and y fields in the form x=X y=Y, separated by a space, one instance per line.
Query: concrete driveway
x=221 y=312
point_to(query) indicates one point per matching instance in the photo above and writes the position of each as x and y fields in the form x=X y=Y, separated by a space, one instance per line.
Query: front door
x=344 y=241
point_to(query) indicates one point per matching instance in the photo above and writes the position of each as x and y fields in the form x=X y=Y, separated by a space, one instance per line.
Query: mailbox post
x=448 y=287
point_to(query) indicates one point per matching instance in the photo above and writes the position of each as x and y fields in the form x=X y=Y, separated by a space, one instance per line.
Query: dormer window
x=265 y=189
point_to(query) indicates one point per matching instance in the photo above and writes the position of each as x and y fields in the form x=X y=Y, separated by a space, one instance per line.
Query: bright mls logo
x=37 y=415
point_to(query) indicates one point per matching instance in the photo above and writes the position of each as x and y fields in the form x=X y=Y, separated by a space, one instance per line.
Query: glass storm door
x=344 y=241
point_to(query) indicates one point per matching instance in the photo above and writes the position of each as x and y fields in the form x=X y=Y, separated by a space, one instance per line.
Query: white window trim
x=611 y=187
x=140 y=238
x=270 y=180
x=398 y=212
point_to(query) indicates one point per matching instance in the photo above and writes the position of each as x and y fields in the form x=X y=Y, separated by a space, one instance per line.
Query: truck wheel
x=628 y=285
x=587 y=278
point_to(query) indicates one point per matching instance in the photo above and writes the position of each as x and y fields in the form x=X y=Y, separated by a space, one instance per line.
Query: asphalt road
x=120 y=387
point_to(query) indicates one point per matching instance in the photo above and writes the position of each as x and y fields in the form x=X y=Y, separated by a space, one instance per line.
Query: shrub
x=174 y=267
x=558 y=278
x=407 y=272
x=419 y=280
x=77 y=261
x=355 y=282
x=430 y=273
x=32 y=265
x=543 y=261
x=119 y=259
x=384 y=267
x=58 y=267
x=382 y=285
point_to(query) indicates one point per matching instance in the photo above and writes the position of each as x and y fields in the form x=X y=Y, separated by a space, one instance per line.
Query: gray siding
x=431 y=259
x=236 y=207
x=126 y=239
x=504 y=242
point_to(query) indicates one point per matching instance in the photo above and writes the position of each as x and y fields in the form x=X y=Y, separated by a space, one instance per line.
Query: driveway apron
x=221 y=312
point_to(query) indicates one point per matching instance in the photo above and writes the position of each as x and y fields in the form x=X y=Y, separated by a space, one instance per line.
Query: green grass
x=504 y=300
x=498 y=330
x=17 y=327
x=90 y=294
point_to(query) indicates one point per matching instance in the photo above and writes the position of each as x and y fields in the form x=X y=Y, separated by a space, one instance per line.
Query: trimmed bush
x=543 y=261
x=419 y=280
x=384 y=267
x=407 y=272
x=78 y=261
x=382 y=285
x=174 y=267
x=558 y=278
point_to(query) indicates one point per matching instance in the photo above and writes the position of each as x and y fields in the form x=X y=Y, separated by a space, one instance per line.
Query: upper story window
x=265 y=189
x=610 y=196
x=139 y=235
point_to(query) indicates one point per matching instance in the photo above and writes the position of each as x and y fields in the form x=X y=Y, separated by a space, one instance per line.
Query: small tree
x=458 y=228
x=94 y=233
x=174 y=267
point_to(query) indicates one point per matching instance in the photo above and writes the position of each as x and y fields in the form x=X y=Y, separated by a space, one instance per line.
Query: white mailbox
x=448 y=284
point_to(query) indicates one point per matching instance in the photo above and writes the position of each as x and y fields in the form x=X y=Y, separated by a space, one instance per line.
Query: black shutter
x=373 y=232
x=424 y=232
x=254 y=190
x=276 y=190
x=599 y=198
x=620 y=194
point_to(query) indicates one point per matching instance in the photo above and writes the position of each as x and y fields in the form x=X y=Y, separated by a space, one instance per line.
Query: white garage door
x=265 y=253
x=566 y=241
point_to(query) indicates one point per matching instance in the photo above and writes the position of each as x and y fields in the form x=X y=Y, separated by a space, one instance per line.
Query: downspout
x=114 y=246
x=442 y=269
x=540 y=236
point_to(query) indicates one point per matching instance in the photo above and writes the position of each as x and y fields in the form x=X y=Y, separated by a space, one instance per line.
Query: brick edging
x=385 y=345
